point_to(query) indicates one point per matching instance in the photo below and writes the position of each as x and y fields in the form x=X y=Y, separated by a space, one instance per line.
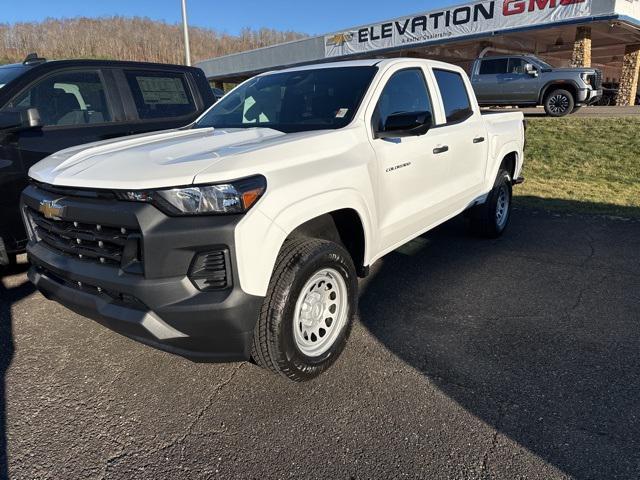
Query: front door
x=411 y=169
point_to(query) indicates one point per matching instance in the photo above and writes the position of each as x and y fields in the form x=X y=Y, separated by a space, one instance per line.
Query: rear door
x=158 y=100
x=463 y=131
x=487 y=78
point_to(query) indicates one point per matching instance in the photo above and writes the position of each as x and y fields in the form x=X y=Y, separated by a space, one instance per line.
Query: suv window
x=457 y=106
x=495 y=66
x=516 y=65
x=160 y=95
x=406 y=91
x=67 y=98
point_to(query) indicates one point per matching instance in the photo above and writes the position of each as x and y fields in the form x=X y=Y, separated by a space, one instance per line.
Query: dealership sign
x=472 y=19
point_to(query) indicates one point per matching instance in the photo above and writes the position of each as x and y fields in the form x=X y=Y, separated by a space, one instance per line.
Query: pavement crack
x=124 y=453
x=204 y=409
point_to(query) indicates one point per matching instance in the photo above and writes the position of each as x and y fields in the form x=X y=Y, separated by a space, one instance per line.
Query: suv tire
x=559 y=103
x=491 y=219
x=307 y=315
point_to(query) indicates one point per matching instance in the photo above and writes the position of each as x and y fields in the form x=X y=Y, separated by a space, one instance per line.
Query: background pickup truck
x=243 y=234
x=525 y=80
x=48 y=106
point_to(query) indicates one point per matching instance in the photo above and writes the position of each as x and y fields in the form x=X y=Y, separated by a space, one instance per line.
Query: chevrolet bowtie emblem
x=339 y=39
x=51 y=209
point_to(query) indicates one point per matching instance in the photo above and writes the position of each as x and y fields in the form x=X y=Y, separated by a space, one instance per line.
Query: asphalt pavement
x=510 y=358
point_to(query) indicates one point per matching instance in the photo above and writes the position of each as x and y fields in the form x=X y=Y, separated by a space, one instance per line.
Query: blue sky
x=229 y=16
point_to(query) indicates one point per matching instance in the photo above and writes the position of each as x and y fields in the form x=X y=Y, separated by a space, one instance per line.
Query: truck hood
x=164 y=159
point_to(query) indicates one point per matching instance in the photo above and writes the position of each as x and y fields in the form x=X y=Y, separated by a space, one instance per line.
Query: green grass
x=584 y=165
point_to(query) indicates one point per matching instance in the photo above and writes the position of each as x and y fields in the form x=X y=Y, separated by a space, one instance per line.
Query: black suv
x=46 y=106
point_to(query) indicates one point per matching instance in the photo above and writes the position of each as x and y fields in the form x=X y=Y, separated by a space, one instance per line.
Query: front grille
x=597 y=83
x=92 y=242
x=209 y=270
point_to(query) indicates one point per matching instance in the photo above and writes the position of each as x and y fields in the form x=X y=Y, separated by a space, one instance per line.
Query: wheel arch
x=339 y=215
x=510 y=157
x=569 y=85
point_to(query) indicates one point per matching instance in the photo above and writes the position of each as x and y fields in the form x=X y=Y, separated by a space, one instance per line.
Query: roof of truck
x=382 y=62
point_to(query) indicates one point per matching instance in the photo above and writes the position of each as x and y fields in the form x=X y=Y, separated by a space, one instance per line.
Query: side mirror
x=531 y=70
x=405 y=124
x=16 y=120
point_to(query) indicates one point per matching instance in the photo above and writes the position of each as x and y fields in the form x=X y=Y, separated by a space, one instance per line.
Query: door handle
x=478 y=140
x=444 y=148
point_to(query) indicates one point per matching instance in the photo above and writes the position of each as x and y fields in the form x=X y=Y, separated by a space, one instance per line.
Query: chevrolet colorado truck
x=242 y=236
x=525 y=80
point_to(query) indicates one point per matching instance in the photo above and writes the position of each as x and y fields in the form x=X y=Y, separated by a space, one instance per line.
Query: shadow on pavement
x=531 y=333
x=8 y=296
x=575 y=206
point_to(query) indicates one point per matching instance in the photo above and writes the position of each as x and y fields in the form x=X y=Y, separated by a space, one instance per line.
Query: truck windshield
x=9 y=73
x=298 y=101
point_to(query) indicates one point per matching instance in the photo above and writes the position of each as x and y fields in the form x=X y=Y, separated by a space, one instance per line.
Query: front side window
x=296 y=101
x=455 y=97
x=405 y=92
x=495 y=66
x=516 y=66
x=67 y=98
x=160 y=95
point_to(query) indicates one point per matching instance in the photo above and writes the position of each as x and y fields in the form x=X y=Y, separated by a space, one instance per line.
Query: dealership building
x=600 y=33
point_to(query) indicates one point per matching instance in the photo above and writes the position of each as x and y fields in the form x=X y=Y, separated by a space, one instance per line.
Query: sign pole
x=185 y=29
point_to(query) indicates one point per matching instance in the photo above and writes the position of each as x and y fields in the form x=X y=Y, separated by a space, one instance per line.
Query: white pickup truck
x=242 y=235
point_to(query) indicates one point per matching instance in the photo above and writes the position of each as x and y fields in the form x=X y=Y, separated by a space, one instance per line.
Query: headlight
x=225 y=198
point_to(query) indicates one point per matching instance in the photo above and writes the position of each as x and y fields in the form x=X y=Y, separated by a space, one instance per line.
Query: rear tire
x=491 y=219
x=307 y=315
x=559 y=103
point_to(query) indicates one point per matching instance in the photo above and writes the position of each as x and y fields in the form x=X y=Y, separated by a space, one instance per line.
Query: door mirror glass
x=531 y=70
x=15 y=120
x=404 y=124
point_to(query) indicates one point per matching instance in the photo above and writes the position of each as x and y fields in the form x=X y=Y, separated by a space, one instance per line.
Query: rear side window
x=405 y=92
x=73 y=97
x=457 y=105
x=494 y=66
x=160 y=95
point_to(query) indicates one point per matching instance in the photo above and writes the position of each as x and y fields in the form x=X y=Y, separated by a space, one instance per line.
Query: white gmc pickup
x=242 y=235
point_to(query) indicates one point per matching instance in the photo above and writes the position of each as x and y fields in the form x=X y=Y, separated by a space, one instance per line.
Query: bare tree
x=121 y=38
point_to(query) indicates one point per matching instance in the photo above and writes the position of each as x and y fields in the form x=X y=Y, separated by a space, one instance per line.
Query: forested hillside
x=126 y=39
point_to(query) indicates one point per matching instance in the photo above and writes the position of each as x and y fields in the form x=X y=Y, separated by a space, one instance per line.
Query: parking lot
x=514 y=358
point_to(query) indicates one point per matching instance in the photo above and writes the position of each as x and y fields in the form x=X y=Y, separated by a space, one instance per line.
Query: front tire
x=559 y=103
x=491 y=219
x=307 y=315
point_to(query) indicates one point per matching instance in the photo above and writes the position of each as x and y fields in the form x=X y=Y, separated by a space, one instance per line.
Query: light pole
x=185 y=29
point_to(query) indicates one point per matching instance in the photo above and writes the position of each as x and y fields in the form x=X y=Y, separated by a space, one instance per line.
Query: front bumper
x=589 y=96
x=154 y=302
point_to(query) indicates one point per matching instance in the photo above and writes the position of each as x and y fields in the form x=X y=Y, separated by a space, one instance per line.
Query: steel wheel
x=321 y=312
x=502 y=207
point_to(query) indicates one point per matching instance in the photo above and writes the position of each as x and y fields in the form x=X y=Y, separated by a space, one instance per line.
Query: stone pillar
x=582 y=48
x=629 y=78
